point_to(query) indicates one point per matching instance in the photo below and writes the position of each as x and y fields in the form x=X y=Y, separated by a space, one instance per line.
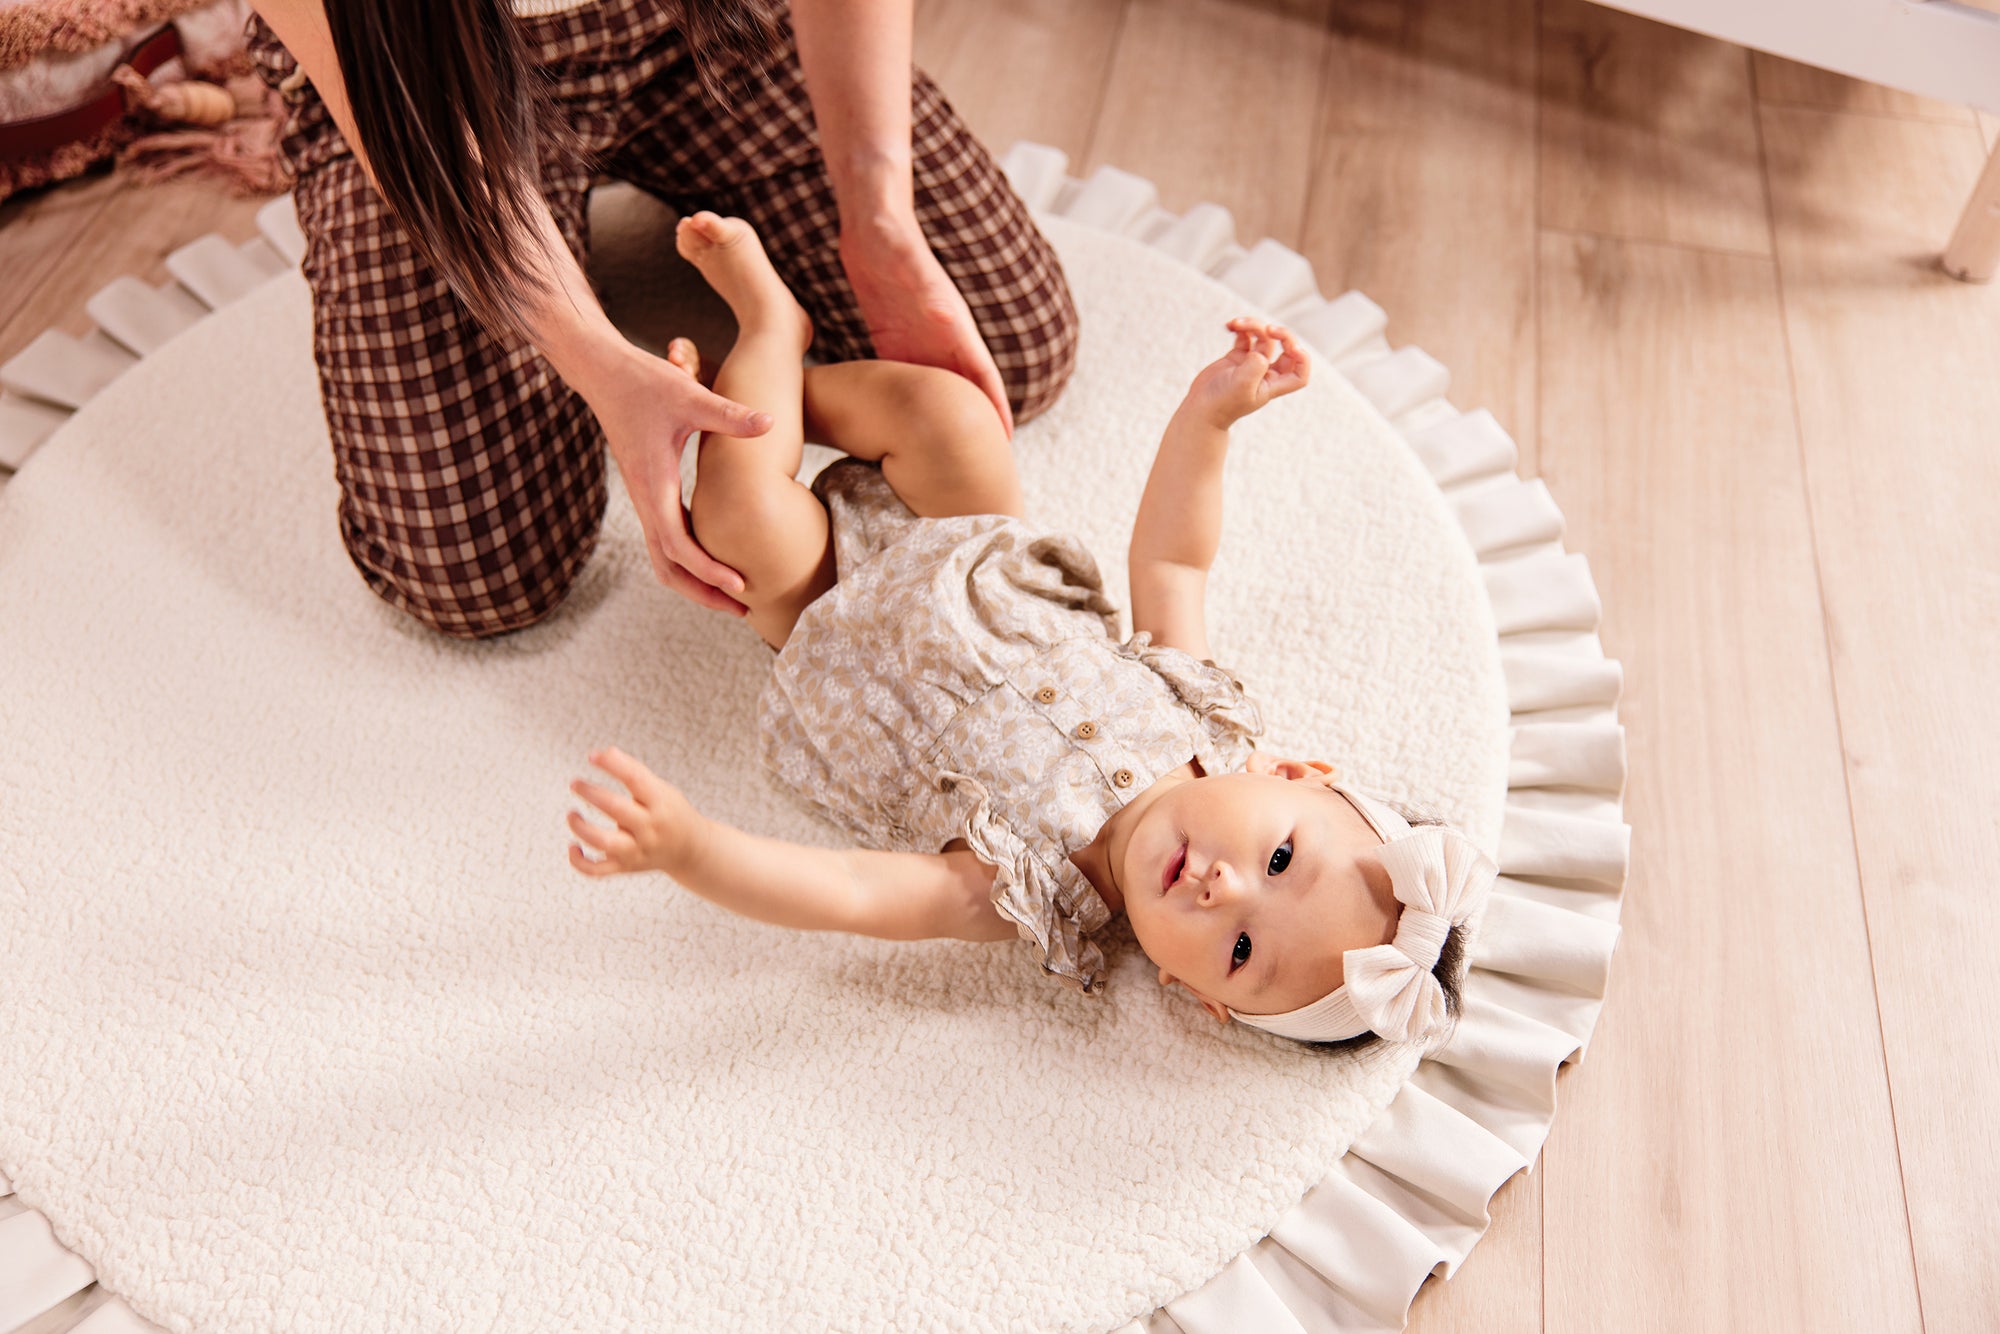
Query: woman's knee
x=987 y=241
x=1036 y=364
x=474 y=575
x=472 y=545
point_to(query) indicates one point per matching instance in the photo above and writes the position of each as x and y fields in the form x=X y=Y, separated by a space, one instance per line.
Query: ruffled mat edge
x=1410 y=1199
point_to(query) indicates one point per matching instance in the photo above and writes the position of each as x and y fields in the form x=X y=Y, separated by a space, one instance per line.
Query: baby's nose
x=1220 y=883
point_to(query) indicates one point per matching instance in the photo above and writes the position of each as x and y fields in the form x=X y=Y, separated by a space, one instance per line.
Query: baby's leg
x=940 y=443
x=749 y=510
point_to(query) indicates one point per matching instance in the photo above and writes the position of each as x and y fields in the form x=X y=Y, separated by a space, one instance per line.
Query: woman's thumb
x=725 y=417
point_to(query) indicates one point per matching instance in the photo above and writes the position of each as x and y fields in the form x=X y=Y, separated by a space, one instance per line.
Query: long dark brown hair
x=450 y=110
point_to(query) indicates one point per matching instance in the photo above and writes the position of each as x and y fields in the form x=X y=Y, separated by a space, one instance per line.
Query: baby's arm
x=1179 y=525
x=891 y=895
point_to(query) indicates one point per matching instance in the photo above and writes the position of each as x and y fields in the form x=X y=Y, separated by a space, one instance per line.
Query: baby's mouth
x=1173 y=871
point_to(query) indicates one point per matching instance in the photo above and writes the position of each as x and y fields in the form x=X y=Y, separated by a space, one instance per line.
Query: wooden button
x=1086 y=730
x=1046 y=695
x=1123 y=778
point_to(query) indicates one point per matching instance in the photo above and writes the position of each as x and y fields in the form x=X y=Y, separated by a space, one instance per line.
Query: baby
x=948 y=687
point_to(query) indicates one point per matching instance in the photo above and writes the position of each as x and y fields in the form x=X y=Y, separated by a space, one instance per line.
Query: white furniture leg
x=1974 y=252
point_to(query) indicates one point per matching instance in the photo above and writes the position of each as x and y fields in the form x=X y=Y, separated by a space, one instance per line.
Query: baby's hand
x=1266 y=363
x=657 y=826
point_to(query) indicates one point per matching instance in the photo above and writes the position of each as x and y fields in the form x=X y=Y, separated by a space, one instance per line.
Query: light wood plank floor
x=1698 y=285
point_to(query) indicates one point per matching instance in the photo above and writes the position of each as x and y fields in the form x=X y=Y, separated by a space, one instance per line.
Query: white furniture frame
x=1935 y=48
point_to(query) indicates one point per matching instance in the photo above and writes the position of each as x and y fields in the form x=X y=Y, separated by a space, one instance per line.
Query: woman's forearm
x=856 y=57
x=565 y=322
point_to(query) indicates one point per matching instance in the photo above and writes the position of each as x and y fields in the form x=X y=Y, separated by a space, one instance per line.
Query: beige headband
x=1441 y=879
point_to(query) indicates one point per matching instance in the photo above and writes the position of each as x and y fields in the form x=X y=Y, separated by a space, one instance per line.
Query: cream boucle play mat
x=308 y=1025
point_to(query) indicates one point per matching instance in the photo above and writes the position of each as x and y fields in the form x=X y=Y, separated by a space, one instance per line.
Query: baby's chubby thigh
x=938 y=438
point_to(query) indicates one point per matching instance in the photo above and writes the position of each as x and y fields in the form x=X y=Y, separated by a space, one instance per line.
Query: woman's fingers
x=706 y=595
x=987 y=376
x=678 y=548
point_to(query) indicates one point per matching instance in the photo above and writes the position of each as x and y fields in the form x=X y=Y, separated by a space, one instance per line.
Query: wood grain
x=1498 y=1290
x=1215 y=100
x=1647 y=132
x=1901 y=445
x=66 y=1314
x=1782 y=82
x=37 y=230
x=1423 y=187
x=1727 y=1162
x=1024 y=69
x=132 y=231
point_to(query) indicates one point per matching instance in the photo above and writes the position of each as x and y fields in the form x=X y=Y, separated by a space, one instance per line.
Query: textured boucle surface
x=308 y=1025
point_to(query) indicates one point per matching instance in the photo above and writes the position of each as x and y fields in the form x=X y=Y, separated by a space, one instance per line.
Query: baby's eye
x=1242 y=954
x=1282 y=857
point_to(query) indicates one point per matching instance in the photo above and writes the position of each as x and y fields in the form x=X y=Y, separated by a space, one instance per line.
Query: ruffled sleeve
x=1230 y=718
x=1053 y=907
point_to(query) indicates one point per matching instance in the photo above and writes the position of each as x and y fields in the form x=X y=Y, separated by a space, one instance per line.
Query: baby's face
x=1249 y=887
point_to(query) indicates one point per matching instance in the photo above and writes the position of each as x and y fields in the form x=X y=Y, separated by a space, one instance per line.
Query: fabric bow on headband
x=1441 y=879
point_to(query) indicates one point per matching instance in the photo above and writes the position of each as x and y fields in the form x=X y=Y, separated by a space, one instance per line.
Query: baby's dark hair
x=1449 y=970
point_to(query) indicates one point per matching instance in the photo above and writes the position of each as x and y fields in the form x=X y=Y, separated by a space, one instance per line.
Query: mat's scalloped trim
x=1410 y=1198
x=58 y=373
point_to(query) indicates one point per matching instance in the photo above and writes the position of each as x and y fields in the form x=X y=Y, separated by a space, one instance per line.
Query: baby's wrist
x=683 y=850
x=1207 y=417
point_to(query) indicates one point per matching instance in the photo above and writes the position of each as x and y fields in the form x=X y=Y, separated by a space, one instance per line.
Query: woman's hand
x=648 y=408
x=657 y=826
x=1266 y=363
x=912 y=309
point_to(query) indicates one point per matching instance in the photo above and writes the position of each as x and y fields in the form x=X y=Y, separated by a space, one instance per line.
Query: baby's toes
x=685 y=357
x=704 y=231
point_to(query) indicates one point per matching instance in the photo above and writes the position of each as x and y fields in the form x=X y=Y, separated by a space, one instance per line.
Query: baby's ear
x=1260 y=763
x=1215 y=1008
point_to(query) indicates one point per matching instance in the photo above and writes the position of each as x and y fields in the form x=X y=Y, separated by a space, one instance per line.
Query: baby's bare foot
x=732 y=259
x=685 y=357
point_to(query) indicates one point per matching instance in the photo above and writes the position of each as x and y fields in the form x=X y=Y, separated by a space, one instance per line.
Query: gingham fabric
x=472 y=479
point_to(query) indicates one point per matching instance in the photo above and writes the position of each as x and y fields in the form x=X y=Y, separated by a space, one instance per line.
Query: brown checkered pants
x=472 y=479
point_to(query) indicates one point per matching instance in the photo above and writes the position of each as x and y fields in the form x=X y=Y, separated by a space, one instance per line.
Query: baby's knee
x=948 y=412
